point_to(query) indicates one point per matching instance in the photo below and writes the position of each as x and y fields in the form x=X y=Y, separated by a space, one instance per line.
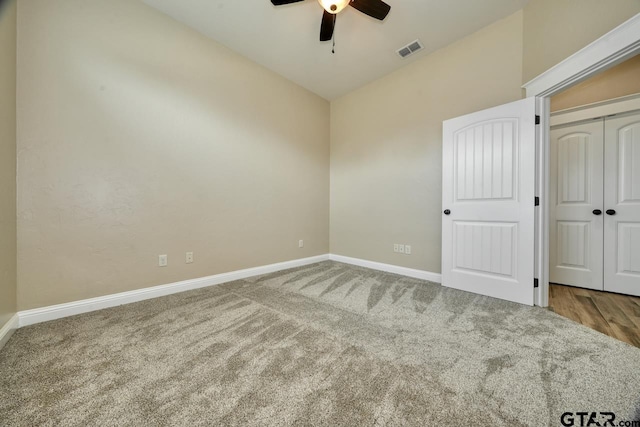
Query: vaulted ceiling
x=285 y=39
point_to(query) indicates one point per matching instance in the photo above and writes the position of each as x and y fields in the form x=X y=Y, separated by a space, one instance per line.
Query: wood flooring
x=613 y=314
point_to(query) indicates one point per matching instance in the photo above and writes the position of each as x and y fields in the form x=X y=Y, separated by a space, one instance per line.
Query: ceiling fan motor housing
x=334 y=6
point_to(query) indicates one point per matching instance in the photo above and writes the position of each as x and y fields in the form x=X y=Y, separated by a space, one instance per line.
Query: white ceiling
x=285 y=39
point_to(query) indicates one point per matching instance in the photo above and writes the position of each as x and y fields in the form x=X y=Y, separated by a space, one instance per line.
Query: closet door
x=622 y=204
x=576 y=202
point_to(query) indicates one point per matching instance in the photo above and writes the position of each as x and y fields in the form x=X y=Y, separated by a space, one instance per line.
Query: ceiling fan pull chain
x=333 y=36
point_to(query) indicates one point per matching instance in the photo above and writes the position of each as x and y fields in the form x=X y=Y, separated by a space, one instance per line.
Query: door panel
x=628 y=247
x=573 y=244
x=485 y=155
x=576 y=190
x=476 y=242
x=622 y=229
x=488 y=190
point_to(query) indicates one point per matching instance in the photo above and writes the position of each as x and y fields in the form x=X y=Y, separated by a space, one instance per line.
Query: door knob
x=611 y=212
x=447 y=211
x=597 y=212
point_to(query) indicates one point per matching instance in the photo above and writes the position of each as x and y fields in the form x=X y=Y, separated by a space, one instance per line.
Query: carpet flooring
x=325 y=344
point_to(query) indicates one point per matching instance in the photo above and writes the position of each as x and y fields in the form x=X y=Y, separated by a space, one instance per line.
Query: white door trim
x=617 y=45
x=597 y=109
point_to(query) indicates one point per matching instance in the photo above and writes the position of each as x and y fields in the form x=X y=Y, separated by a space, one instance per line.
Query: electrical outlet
x=189 y=257
x=407 y=249
x=301 y=243
x=395 y=247
x=162 y=260
x=401 y=249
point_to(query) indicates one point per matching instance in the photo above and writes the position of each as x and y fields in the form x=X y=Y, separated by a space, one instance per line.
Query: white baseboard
x=8 y=329
x=44 y=314
x=53 y=312
x=403 y=271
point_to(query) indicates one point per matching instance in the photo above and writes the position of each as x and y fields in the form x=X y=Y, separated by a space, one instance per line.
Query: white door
x=622 y=204
x=488 y=202
x=576 y=213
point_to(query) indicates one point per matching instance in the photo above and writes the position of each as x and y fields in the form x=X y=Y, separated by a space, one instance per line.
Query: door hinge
x=537 y=119
x=535 y=283
x=536 y=201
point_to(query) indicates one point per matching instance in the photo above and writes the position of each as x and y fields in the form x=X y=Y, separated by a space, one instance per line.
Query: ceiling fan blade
x=327 y=26
x=374 y=8
x=281 y=2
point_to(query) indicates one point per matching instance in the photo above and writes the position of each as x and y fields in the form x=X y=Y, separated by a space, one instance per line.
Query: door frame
x=623 y=104
x=616 y=46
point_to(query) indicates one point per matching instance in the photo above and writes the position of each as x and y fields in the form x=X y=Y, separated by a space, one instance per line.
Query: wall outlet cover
x=163 y=260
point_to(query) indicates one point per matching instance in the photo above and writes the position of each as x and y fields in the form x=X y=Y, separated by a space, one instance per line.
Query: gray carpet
x=326 y=344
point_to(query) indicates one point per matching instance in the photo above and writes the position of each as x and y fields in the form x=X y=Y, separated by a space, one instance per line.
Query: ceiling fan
x=375 y=8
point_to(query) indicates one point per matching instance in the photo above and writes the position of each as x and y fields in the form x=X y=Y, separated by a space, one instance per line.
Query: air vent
x=410 y=49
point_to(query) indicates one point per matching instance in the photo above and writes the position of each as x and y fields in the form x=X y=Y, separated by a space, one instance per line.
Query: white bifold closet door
x=575 y=208
x=595 y=204
x=622 y=204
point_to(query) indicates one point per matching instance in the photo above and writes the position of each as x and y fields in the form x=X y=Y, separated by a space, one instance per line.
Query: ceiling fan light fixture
x=334 y=6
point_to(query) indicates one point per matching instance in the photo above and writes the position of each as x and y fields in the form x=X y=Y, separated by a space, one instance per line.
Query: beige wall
x=386 y=144
x=621 y=80
x=7 y=161
x=139 y=137
x=555 y=29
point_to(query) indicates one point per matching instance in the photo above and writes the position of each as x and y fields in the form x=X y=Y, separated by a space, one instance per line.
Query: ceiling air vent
x=410 y=49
